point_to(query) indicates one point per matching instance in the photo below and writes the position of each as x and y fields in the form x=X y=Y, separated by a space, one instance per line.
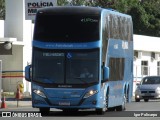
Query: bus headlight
x=40 y=93
x=90 y=93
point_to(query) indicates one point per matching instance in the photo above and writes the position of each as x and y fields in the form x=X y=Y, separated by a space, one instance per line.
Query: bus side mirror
x=28 y=73
x=105 y=74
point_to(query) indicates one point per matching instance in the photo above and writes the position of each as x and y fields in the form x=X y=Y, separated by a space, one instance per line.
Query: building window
x=153 y=55
x=144 y=67
x=136 y=54
x=158 y=68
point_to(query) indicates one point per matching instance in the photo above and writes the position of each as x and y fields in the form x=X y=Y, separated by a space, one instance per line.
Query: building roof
x=146 y=43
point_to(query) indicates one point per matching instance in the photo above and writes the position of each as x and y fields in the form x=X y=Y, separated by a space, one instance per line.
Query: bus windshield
x=67 y=28
x=65 y=67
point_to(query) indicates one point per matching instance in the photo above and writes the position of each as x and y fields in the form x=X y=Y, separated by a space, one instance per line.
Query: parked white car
x=149 y=88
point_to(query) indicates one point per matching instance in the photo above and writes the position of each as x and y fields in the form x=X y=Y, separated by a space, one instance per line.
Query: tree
x=2 y=9
x=71 y=2
x=124 y=5
x=153 y=16
x=139 y=18
x=145 y=13
x=78 y=2
x=146 y=18
x=62 y=2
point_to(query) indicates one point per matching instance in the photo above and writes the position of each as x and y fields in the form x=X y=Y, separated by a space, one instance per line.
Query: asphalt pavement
x=11 y=102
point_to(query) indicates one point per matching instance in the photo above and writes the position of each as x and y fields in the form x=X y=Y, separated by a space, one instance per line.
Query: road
x=134 y=109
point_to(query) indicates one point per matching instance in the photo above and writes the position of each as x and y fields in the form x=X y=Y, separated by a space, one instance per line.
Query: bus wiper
x=81 y=79
x=44 y=80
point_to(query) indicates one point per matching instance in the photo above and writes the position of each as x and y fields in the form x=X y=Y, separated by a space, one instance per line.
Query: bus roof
x=78 y=10
x=71 y=10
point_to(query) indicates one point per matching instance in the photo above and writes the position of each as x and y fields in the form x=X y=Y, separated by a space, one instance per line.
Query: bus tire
x=112 y=109
x=44 y=111
x=100 y=111
x=127 y=95
x=107 y=99
x=71 y=110
x=123 y=106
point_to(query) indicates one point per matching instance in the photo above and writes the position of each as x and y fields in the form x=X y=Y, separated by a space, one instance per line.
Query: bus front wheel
x=70 y=110
x=44 y=111
x=100 y=111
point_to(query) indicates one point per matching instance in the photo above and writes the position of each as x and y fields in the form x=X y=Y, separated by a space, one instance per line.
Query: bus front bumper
x=78 y=103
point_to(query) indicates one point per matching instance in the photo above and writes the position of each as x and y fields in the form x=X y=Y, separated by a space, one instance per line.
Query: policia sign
x=32 y=6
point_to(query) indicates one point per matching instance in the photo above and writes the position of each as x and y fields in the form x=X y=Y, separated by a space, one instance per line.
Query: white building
x=19 y=31
x=146 y=57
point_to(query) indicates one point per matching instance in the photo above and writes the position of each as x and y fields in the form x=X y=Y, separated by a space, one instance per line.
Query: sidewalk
x=12 y=105
x=19 y=104
x=11 y=102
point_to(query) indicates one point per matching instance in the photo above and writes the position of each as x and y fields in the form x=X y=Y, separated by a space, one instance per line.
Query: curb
x=14 y=99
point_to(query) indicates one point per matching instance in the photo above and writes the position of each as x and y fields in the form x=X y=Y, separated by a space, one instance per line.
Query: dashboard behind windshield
x=65 y=67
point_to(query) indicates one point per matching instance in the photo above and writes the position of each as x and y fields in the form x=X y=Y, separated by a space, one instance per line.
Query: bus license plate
x=64 y=103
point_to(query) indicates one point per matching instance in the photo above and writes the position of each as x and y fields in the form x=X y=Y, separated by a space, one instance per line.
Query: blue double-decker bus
x=82 y=58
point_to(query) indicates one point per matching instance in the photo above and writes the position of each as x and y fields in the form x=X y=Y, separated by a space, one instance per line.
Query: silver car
x=149 y=88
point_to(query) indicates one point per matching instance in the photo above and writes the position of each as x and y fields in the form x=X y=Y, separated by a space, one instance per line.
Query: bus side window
x=116 y=66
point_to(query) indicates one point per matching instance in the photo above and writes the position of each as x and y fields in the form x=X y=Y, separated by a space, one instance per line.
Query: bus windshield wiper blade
x=44 y=80
x=81 y=79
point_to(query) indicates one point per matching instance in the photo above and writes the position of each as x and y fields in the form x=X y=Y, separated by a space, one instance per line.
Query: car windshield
x=151 y=80
x=65 y=67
